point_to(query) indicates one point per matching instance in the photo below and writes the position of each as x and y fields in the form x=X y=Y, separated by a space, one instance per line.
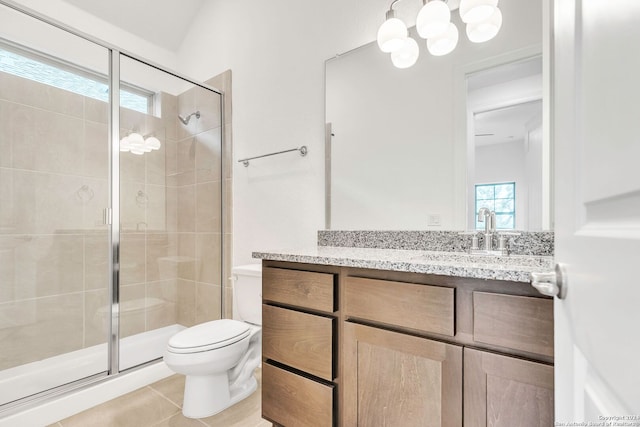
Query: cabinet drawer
x=300 y=340
x=421 y=307
x=520 y=323
x=304 y=289
x=291 y=400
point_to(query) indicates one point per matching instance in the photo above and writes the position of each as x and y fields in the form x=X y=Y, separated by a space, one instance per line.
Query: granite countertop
x=515 y=268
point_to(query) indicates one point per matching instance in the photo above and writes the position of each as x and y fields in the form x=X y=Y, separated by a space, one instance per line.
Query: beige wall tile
x=132 y=258
x=227 y=152
x=96 y=150
x=46 y=141
x=208 y=155
x=207 y=302
x=96 y=111
x=28 y=92
x=171 y=162
x=186 y=106
x=187 y=257
x=162 y=308
x=167 y=106
x=208 y=251
x=172 y=208
x=208 y=103
x=186 y=161
x=134 y=201
x=187 y=208
x=227 y=203
x=6 y=130
x=186 y=302
x=132 y=168
x=57 y=207
x=48 y=265
x=96 y=261
x=156 y=208
x=162 y=251
x=208 y=207
x=44 y=327
x=93 y=196
x=223 y=82
x=132 y=310
x=96 y=317
x=156 y=162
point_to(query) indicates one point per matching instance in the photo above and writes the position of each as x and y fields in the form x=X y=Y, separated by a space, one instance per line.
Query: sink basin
x=489 y=259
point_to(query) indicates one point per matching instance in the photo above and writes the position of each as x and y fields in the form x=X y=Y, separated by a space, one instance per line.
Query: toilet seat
x=209 y=336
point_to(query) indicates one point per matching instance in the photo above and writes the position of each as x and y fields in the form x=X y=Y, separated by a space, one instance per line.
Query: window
x=500 y=198
x=46 y=70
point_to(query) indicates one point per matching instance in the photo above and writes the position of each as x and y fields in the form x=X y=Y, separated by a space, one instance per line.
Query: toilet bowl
x=219 y=357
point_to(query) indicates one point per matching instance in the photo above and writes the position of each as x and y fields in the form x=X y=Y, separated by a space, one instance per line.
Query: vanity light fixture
x=433 y=23
x=433 y=19
x=479 y=32
x=407 y=55
x=392 y=33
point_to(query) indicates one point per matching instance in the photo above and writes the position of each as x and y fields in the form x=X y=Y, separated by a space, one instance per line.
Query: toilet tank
x=247 y=293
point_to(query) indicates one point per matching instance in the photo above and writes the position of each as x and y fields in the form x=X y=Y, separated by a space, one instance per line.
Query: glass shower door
x=170 y=209
x=54 y=186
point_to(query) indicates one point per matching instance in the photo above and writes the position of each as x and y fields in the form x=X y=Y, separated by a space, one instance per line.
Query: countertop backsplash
x=538 y=243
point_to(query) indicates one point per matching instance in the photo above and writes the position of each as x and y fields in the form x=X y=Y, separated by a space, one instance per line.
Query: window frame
x=512 y=213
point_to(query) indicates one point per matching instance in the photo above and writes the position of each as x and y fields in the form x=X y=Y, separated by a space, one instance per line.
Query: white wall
x=506 y=163
x=276 y=51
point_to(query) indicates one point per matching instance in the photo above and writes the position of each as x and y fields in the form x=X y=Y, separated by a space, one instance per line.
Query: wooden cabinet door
x=502 y=391
x=392 y=379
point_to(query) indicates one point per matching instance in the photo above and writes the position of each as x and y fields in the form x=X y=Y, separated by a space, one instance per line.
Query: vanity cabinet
x=350 y=347
x=298 y=335
x=396 y=379
x=502 y=391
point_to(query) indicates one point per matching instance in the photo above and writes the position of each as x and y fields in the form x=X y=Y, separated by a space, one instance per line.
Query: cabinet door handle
x=551 y=283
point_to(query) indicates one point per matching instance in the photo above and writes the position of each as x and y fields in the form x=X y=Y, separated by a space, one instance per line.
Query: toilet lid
x=209 y=335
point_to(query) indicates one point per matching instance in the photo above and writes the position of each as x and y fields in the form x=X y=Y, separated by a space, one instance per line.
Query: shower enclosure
x=110 y=208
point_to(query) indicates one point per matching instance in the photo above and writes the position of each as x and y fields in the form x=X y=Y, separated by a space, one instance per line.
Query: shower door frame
x=112 y=212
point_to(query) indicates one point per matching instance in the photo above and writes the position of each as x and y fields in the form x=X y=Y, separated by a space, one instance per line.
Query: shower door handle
x=107 y=216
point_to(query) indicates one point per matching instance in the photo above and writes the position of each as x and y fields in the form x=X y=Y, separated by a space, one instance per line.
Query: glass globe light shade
x=135 y=140
x=153 y=143
x=485 y=30
x=472 y=11
x=137 y=151
x=125 y=146
x=433 y=19
x=391 y=33
x=444 y=43
x=407 y=55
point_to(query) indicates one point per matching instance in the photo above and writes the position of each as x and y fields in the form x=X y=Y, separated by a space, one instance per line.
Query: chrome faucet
x=489 y=218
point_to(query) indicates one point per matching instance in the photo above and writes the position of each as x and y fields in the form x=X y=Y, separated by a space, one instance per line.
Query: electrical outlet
x=433 y=220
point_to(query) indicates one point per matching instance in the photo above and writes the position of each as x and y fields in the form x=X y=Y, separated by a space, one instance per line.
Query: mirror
x=401 y=143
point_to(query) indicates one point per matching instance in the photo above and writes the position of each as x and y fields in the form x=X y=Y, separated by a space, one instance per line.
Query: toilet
x=219 y=357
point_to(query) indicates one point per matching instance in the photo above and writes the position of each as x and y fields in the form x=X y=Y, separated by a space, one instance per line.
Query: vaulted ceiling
x=162 y=22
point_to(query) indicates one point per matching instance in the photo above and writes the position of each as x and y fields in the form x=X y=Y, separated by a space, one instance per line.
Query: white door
x=596 y=134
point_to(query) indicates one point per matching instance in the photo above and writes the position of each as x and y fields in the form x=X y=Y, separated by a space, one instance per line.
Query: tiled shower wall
x=53 y=245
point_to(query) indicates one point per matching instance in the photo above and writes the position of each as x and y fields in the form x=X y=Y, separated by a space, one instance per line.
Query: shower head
x=185 y=120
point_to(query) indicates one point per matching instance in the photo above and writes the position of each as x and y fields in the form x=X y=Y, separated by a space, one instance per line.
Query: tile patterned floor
x=159 y=405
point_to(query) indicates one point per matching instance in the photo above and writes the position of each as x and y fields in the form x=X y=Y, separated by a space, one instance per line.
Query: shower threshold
x=35 y=377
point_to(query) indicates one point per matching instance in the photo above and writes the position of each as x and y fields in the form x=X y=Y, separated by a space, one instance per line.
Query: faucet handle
x=474 y=238
x=502 y=239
